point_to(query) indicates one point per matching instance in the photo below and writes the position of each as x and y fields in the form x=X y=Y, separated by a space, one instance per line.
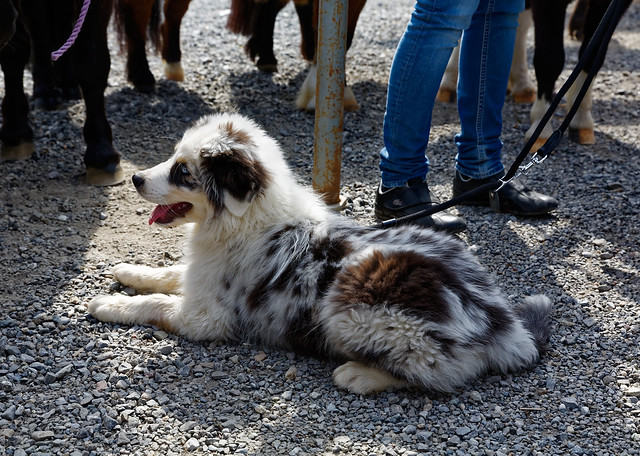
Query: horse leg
x=304 y=10
x=91 y=65
x=355 y=8
x=548 y=60
x=581 y=128
x=520 y=85
x=449 y=84
x=260 y=44
x=39 y=20
x=174 y=11
x=8 y=19
x=16 y=135
x=135 y=16
x=306 y=98
x=576 y=22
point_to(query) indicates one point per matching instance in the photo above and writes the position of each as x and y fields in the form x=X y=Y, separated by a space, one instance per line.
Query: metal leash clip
x=494 y=199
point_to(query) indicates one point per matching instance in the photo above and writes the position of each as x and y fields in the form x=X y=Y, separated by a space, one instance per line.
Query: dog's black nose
x=138 y=180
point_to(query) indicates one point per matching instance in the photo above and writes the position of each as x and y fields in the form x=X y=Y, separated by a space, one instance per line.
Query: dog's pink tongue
x=160 y=212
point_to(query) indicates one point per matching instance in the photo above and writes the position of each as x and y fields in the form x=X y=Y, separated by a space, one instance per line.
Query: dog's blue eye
x=183 y=169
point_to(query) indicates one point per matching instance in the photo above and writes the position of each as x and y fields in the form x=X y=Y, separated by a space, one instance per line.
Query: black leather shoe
x=413 y=197
x=514 y=198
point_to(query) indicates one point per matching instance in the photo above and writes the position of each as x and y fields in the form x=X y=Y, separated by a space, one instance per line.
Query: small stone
x=342 y=440
x=39 y=436
x=122 y=438
x=86 y=399
x=9 y=413
x=165 y=349
x=291 y=373
x=571 y=403
x=633 y=391
x=109 y=423
x=260 y=357
x=410 y=429
x=192 y=444
x=66 y=370
x=287 y=395
x=160 y=335
x=188 y=426
x=463 y=430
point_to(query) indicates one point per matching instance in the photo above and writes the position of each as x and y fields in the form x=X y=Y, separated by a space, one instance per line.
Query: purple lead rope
x=74 y=33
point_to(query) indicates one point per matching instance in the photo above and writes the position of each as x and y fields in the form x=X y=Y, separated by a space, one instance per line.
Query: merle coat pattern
x=270 y=263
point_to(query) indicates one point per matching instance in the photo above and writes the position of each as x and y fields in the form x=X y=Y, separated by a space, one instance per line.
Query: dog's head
x=219 y=166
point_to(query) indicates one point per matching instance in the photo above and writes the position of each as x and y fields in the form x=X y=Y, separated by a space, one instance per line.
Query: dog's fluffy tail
x=535 y=314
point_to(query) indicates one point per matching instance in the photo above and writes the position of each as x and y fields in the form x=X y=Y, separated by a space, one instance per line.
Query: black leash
x=597 y=47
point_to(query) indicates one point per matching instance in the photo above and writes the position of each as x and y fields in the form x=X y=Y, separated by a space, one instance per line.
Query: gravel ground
x=72 y=385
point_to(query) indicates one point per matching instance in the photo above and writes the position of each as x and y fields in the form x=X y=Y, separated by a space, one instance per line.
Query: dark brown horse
x=256 y=19
x=139 y=21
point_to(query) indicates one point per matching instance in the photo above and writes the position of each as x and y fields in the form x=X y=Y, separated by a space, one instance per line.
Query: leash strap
x=598 y=45
x=74 y=33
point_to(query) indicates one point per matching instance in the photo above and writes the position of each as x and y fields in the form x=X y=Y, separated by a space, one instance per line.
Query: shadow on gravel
x=146 y=127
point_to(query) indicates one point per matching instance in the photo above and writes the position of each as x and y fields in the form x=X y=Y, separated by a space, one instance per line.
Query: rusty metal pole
x=327 y=156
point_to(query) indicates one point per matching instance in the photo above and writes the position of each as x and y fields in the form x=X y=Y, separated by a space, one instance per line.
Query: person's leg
x=485 y=60
x=486 y=50
x=419 y=63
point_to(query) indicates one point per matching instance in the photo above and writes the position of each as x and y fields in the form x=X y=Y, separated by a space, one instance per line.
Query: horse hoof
x=446 y=95
x=22 y=151
x=350 y=103
x=267 y=67
x=173 y=71
x=105 y=177
x=525 y=97
x=582 y=135
x=144 y=88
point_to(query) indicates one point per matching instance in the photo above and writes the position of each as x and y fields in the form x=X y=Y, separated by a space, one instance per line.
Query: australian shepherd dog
x=269 y=263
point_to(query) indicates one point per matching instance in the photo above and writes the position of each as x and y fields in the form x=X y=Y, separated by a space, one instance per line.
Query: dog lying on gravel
x=270 y=263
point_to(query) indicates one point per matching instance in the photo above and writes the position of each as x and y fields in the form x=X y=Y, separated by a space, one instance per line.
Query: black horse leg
x=261 y=42
x=91 y=65
x=16 y=134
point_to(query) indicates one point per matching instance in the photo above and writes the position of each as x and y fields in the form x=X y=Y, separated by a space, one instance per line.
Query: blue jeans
x=488 y=30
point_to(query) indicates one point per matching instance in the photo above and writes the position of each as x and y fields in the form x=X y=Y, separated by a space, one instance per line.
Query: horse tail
x=155 y=21
x=123 y=19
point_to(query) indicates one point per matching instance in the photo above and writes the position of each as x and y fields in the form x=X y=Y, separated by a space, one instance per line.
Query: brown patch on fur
x=237 y=135
x=404 y=279
x=236 y=171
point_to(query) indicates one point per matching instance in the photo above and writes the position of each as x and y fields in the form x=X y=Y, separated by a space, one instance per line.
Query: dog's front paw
x=127 y=274
x=108 y=308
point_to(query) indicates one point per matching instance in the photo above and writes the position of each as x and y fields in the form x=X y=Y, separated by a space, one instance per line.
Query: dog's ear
x=232 y=178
